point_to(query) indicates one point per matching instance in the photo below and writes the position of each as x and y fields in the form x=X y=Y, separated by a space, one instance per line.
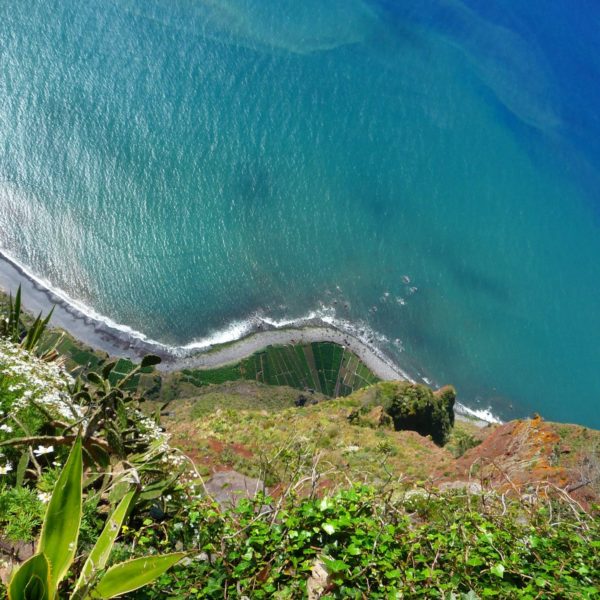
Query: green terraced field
x=322 y=366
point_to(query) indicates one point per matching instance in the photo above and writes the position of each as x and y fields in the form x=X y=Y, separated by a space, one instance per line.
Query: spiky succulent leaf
x=134 y=574
x=63 y=517
x=150 y=360
x=98 y=557
x=32 y=580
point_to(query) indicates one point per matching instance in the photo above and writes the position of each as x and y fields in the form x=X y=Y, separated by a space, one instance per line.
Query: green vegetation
x=259 y=442
x=324 y=367
x=461 y=441
x=321 y=366
x=38 y=578
x=21 y=513
x=350 y=513
x=418 y=408
x=359 y=543
x=246 y=395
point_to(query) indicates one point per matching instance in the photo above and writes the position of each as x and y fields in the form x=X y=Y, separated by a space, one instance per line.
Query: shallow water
x=426 y=172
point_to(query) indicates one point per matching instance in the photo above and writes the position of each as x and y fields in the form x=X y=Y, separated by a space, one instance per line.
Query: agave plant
x=12 y=327
x=39 y=577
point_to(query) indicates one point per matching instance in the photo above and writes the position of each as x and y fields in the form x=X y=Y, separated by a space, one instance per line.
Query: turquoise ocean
x=422 y=173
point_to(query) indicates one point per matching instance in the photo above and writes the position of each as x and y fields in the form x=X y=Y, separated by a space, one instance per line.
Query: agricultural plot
x=79 y=358
x=322 y=366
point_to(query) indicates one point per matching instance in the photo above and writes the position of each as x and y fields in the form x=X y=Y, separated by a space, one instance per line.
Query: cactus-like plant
x=39 y=577
x=12 y=328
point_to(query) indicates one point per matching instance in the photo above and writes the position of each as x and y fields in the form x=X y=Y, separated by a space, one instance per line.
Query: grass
x=266 y=434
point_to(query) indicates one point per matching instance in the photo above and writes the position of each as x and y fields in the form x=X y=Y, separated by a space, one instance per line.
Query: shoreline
x=122 y=342
x=244 y=347
x=119 y=342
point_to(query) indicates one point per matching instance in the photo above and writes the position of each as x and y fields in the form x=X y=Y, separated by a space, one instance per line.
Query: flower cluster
x=25 y=379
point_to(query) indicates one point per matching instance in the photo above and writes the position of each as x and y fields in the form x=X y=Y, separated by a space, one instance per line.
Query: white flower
x=43 y=450
x=6 y=428
x=44 y=497
x=5 y=469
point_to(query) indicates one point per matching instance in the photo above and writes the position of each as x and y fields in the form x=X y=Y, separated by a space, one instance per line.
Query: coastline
x=246 y=346
x=91 y=331
x=122 y=342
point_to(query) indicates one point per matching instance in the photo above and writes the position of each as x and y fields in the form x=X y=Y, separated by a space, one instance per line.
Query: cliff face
x=453 y=507
x=533 y=455
x=234 y=427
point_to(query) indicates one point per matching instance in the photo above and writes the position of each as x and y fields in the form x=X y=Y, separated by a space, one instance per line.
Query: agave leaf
x=22 y=468
x=42 y=327
x=14 y=315
x=98 y=557
x=134 y=574
x=108 y=367
x=63 y=517
x=17 y=305
x=32 y=580
x=35 y=331
x=150 y=360
x=28 y=342
x=95 y=379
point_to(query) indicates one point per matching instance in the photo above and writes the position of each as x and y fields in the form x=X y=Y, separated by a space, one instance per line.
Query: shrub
x=39 y=577
x=422 y=545
x=416 y=407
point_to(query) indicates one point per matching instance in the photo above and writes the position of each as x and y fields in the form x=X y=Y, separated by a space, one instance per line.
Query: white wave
x=82 y=309
x=234 y=331
x=483 y=414
x=240 y=329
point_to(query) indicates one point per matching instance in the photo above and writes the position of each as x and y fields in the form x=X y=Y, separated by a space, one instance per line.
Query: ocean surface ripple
x=424 y=173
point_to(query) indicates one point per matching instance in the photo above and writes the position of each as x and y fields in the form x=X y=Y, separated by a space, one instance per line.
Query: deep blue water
x=424 y=171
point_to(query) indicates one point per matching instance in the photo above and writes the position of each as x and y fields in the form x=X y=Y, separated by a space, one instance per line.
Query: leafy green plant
x=372 y=545
x=460 y=442
x=39 y=577
x=417 y=407
x=13 y=328
x=21 y=513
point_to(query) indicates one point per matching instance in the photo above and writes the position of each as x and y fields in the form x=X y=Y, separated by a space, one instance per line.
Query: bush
x=417 y=408
x=422 y=545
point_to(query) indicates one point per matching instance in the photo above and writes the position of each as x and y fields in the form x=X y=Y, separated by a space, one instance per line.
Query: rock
x=228 y=487
x=472 y=487
x=12 y=554
x=318 y=581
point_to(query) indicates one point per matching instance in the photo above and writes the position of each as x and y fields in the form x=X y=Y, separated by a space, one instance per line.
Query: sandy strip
x=236 y=351
x=97 y=334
